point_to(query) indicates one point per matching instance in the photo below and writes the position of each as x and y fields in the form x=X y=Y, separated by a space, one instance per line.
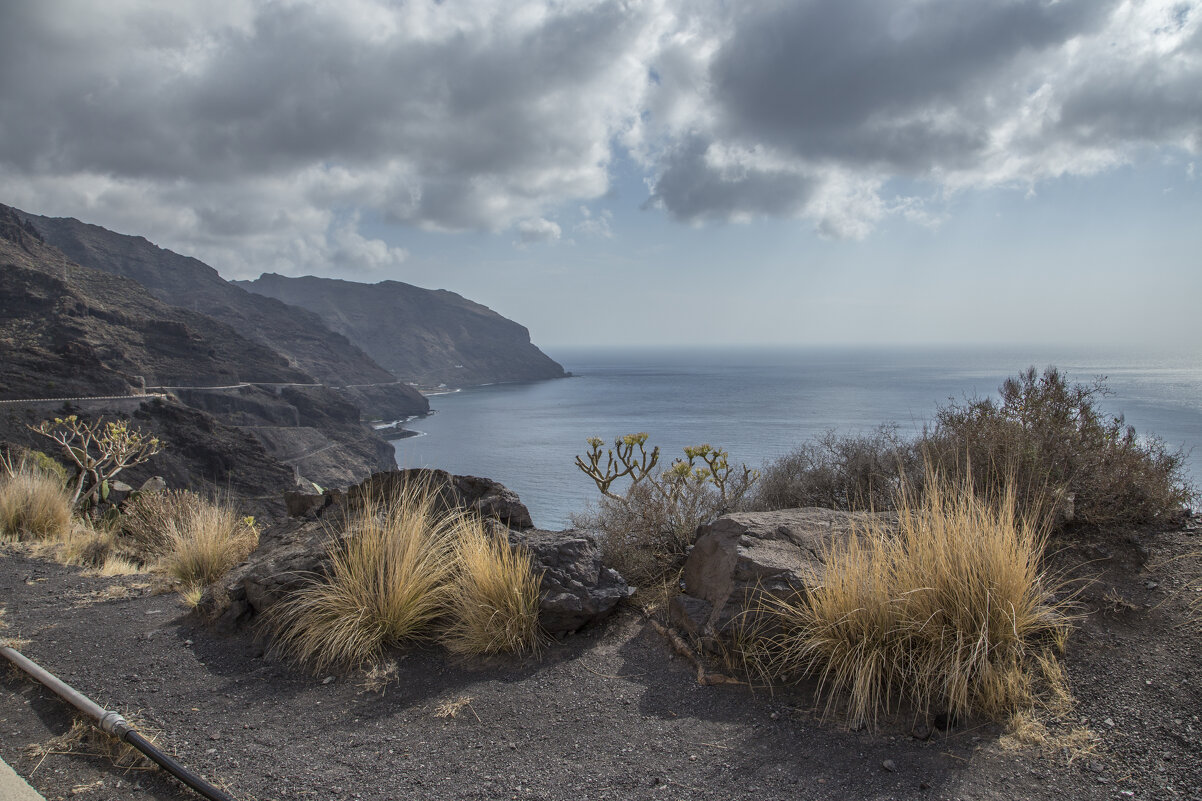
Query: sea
x=759 y=404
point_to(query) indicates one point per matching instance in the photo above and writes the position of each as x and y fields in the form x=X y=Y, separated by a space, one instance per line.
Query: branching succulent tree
x=649 y=527
x=622 y=462
x=99 y=451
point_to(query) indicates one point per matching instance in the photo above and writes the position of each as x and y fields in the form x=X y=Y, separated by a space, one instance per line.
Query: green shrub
x=1061 y=451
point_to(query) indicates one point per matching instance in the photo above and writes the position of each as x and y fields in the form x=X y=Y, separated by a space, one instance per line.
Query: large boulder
x=576 y=589
x=743 y=554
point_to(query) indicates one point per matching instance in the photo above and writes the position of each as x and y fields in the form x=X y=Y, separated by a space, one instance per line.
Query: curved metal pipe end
x=114 y=724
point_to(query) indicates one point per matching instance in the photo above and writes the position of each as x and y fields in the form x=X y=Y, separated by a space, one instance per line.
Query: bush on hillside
x=402 y=570
x=495 y=593
x=1059 y=447
x=841 y=471
x=200 y=546
x=950 y=611
x=1045 y=436
x=34 y=504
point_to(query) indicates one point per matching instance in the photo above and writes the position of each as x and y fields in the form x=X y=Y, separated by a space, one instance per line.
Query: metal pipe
x=113 y=723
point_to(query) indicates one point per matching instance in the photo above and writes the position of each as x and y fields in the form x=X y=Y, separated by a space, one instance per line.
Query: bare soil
x=607 y=714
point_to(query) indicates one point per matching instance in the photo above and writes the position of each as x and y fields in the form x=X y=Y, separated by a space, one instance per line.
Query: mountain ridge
x=450 y=339
x=186 y=282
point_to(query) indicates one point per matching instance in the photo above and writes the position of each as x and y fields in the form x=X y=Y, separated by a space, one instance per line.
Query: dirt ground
x=608 y=714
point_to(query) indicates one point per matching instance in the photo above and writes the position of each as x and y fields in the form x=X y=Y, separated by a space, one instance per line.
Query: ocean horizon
x=761 y=403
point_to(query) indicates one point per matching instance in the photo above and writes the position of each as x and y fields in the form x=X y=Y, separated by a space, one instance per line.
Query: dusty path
x=606 y=716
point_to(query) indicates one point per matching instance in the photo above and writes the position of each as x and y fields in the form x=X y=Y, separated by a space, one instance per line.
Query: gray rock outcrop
x=743 y=554
x=576 y=589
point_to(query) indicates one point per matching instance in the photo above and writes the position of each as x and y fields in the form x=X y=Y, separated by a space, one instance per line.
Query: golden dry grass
x=495 y=593
x=33 y=505
x=86 y=739
x=147 y=517
x=390 y=578
x=951 y=611
x=200 y=547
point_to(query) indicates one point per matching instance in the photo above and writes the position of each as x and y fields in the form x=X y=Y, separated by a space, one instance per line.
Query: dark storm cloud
x=691 y=188
x=863 y=81
x=957 y=94
x=253 y=131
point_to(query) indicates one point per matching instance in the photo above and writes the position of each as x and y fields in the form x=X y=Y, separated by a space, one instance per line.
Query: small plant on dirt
x=951 y=611
x=146 y=517
x=34 y=505
x=494 y=606
x=202 y=546
x=100 y=451
x=648 y=528
x=390 y=577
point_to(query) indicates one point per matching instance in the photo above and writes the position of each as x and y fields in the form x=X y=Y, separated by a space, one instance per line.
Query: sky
x=663 y=172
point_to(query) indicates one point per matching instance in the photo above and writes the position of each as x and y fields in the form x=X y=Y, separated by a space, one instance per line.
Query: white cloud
x=537 y=230
x=595 y=225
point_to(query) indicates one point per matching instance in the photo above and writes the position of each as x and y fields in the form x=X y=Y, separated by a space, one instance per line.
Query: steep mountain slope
x=422 y=335
x=298 y=334
x=66 y=329
x=72 y=331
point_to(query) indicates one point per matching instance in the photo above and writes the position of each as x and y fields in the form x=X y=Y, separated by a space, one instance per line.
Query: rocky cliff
x=69 y=331
x=298 y=334
x=426 y=336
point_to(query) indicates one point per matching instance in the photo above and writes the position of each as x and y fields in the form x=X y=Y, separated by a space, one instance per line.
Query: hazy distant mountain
x=422 y=335
x=298 y=334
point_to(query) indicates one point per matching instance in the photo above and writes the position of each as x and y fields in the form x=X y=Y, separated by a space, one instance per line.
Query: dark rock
x=577 y=589
x=488 y=498
x=742 y=554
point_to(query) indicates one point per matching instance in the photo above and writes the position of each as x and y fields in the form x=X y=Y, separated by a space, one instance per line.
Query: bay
x=759 y=404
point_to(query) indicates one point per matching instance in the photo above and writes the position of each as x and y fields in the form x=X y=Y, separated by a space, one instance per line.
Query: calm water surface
x=758 y=404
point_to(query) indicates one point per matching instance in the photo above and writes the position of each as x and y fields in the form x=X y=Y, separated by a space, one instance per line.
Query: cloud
x=537 y=230
x=250 y=133
x=811 y=109
x=597 y=225
x=213 y=121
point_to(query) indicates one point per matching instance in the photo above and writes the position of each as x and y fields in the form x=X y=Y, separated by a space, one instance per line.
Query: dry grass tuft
x=33 y=505
x=85 y=739
x=16 y=643
x=950 y=612
x=451 y=709
x=389 y=579
x=146 y=517
x=494 y=605
x=201 y=546
x=379 y=676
